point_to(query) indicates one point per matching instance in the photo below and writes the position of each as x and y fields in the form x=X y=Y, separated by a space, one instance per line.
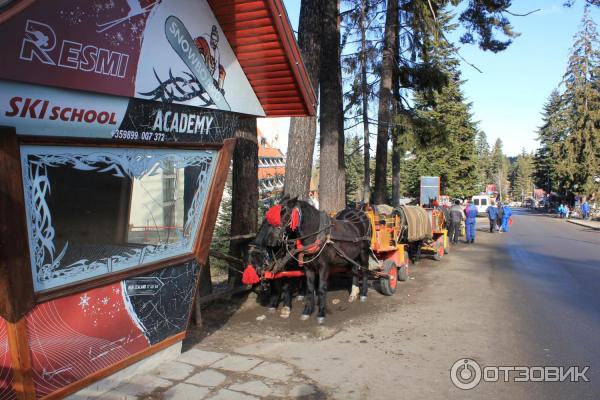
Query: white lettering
x=190 y=124
x=182 y=123
x=174 y=123
x=40 y=40
x=158 y=121
x=166 y=121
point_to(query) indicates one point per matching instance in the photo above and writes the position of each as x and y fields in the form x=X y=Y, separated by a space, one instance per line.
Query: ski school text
x=42 y=109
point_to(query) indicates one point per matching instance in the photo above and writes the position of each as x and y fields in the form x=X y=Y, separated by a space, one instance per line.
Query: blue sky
x=509 y=95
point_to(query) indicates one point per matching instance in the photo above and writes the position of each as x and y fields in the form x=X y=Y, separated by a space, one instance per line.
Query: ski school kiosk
x=117 y=121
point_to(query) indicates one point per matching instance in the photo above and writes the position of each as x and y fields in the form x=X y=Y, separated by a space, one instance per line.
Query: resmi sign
x=40 y=41
x=169 y=52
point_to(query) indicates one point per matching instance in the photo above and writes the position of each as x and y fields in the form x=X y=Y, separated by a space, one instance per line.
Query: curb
x=582 y=223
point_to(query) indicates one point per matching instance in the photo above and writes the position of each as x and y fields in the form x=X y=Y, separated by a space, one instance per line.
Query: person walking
x=492 y=213
x=456 y=217
x=506 y=218
x=563 y=211
x=499 y=217
x=471 y=214
x=585 y=210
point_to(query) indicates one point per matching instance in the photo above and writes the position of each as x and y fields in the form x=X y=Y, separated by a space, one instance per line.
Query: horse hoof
x=363 y=299
x=351 y=299
x=320 y=320
x=304 y=317
x=299 y=298
x=285 y=312
x=272 y=310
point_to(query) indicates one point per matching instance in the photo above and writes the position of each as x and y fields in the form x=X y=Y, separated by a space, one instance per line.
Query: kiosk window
x=94 y=211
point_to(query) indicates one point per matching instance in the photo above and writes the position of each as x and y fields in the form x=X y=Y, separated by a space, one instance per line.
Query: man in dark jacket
x=492 y=213
x=456 y=217
x=500 y=215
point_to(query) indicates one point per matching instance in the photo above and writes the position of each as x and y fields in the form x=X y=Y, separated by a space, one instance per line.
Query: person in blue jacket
x=471 y=214
x=585 y=210
x=492 y=213
x=506 y=219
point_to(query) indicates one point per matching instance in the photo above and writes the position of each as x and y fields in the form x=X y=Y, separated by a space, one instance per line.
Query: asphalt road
x=553 y=269
x=530 y=297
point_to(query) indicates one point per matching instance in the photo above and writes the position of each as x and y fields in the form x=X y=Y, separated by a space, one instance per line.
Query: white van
x=482 y=203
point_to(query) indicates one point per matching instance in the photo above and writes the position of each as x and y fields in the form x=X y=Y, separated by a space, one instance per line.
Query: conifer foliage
x=568 y=161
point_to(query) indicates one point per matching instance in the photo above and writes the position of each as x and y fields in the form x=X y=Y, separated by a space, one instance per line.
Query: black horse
x=319 y=242
x=262 y=254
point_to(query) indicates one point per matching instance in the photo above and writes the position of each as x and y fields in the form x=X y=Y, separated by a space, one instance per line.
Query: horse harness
x=324 y=238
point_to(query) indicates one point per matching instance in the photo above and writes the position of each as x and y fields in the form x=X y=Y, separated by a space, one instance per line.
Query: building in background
x=271 y=168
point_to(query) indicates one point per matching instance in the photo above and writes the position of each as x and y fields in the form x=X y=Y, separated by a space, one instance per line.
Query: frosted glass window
x=95 y=211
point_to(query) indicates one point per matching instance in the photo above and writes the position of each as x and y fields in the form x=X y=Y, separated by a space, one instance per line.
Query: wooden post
x=18 y=344
x=16 y=283
x=244 y=193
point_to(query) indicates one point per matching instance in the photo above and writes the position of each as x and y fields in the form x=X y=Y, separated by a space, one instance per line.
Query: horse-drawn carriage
x=371 y=242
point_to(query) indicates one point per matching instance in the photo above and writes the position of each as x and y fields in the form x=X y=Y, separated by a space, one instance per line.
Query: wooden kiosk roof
x=261 y=36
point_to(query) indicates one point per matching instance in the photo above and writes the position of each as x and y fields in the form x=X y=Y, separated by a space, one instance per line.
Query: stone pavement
x=589 y=224
x=198 y=374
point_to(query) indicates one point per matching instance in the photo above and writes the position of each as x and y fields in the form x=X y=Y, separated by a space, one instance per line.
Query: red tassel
x=250 y=277
x=295 y=219
x=273 y=216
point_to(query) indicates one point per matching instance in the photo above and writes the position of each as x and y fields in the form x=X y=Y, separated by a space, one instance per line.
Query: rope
x=237 y=237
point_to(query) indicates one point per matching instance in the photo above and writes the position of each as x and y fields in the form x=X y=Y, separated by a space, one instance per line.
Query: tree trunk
x=385 y=102
x=341 y=136
x=330 y=105
x=301 y=141
x=244 y=190
x=365 y=102
x=398 y=130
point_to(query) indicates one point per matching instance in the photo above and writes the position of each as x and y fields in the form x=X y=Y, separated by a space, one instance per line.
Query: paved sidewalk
x=588 y=224
x=200 y=374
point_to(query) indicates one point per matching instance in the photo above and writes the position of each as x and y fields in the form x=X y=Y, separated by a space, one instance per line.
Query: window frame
x=197 y=250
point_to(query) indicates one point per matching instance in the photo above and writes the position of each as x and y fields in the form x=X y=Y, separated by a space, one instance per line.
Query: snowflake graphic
x=84 y=301
x=104 y=300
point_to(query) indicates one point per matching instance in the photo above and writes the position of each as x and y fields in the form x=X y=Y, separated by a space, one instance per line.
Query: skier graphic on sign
x=206 y=77
x=208 y=46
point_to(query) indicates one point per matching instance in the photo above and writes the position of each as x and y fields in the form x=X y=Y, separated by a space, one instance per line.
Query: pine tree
x=499 y=168
x=354 y=170
x=445 y=132
x=551 y=134
x=522 y=176
x=483 y=159
x=580 y=154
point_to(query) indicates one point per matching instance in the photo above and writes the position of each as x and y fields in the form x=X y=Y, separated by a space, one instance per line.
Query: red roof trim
x=261 y=36
x=291 y=47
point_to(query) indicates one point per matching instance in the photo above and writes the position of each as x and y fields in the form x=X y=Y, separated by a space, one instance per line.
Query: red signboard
x=6 y=391
x=72 y=337
x=167 y=51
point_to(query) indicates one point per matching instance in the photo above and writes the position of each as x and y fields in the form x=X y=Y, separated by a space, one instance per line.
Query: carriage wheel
x=403 y=269
x=389 y=285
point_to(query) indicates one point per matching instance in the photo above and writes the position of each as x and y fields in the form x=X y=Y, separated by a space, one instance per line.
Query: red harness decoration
x=295 y=219
x=311 y=248
x=273 y=216
x=250 y=277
